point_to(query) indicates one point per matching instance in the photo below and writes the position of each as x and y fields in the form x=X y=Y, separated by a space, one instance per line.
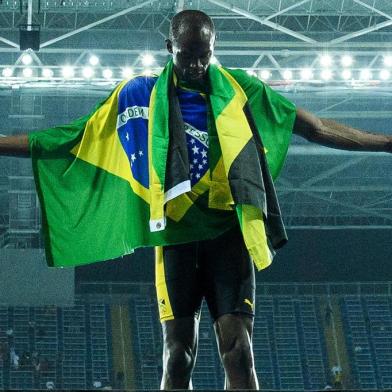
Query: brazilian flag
x=101 y=179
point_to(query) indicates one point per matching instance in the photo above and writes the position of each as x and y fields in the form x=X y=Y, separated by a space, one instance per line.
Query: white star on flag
x=140 y=153
x=133 y=157
x=197 y=143
x=127 y=137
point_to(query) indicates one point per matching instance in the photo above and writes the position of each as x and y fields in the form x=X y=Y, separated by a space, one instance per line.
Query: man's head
x=191 y=42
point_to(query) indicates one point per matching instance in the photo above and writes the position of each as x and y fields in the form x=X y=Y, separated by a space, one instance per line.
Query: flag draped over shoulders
x=118 y=179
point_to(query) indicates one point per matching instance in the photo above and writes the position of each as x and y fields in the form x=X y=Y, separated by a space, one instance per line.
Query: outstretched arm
x=17 y=145
x=332 y=134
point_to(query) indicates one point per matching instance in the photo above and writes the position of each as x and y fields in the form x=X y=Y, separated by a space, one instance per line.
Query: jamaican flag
x=118 y=178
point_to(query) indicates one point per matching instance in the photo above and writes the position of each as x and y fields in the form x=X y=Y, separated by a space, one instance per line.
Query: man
x=219 y=268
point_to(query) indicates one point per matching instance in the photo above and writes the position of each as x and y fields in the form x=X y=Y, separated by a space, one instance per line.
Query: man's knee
x=238 y=356
x=179 y=359
x=235 y=343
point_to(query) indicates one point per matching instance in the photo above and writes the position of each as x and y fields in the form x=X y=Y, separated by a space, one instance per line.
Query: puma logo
x=248 y=302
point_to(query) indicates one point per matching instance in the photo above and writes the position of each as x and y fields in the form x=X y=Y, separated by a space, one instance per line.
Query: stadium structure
x=324 y=308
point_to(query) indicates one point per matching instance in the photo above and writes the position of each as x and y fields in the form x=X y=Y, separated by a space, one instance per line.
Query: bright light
x=147 y=72
x=265 y=74
x=93 y=60
x=388 y=60
x=326 y=60
x=346 y=60
x=107 y=73
x=27 y=59
x=251 y=72
x=384 y=74
x=7 y=72
x=214 y=60
x=306 y=74
x=346 y=74
x=47 y=73
x=27 y=72
x=287 y=74
x=326 y=74
x=127 y=72
x=147 y=59
x=68 y=72
x=365 y=74
x=87 y=72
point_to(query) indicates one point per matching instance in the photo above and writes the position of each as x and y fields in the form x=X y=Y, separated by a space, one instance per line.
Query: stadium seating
x=289 y=344
x=73 y=344
x=380 y=330
x=145 y=341
x=368 y=327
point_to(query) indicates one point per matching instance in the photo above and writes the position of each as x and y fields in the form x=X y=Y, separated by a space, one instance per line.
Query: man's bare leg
x=180 y=338
x=234 y=337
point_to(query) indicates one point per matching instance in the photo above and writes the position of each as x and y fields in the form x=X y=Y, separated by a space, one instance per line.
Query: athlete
x=219 y=270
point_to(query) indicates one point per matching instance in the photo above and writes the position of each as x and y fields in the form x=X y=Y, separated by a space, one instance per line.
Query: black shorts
x=219 y=270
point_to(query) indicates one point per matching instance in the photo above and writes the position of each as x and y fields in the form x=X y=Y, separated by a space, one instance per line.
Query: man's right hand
x=17 y=145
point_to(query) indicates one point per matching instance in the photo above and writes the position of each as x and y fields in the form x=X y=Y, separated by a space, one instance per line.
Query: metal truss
x=257 y=35
x=337 y=20
x=352 y=190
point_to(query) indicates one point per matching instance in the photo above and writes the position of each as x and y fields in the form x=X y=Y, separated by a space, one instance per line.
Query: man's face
x=192 y=52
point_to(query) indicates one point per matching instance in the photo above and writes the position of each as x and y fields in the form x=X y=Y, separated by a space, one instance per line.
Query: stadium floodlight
x=127 y=73
x=27 y=59
x=7 y=72
x=107 y=73
x=68 y=72
x=93 y=60
x=325 y=60
x=388 y=60
x=251 y=72
x=47 y=73
x=27 y=72
x=87 y=72
x=365 y=74
x=306 y=73
x=147 y=72
x=346 y=60
x=326 y=74
x=147 y=59
x=264 y=74
x=384 y=74
x=287 y=74
x=346 y=74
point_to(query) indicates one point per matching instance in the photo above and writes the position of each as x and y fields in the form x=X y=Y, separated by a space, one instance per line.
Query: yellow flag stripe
x=102 y=147
x=233 y=128
x=220 y=196
x=164 y=305
x=255 y=238
x=179 y=206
